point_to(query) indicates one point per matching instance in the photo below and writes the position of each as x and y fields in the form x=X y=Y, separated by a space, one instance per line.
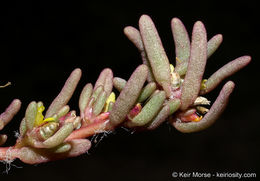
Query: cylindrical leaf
x=106 y=80
x=181 y=69
x=59 y=136
x=169 y=108
x=119 y=83
x=63 y=111
x=64 y=147
x=159 y=118
x=224 y=72
x=78 y=147
x=65 y=94
x=97 y=91
x=77 y=122
x=128 y=95
x=85 y=96
x=135 y=37
x=30 y=115
x=35 y=156
x=174 y=105
x=155 y=52
x=22 y=128
x=181 y=40
x=99 y=103
x=150 y=110
x=147 y=91
x=213 y=44
x=197 y=63
x=213 y=114
x=9 y=113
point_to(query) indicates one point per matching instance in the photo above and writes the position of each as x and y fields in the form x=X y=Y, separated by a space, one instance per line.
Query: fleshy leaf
x=85 y=96
x=128 y=96
x=22 y=128
x=213 y=114
x=62 y=112
x=64 y=147
x=169 y=108
x=36 y=156
x=65 y=94
x=150 y=110
x=155 y=52
x=224 y=72
x=181 y=40
x=30 y=115
x=160 y=118
x=106 y=80
x=99 y=103
x=97 y=92
x=147 y=91
x=9 y=113
x=119 y=83
x=197 y=62
x=59 y=136
x=213 y=44
x=135 y=37
x=174 y=105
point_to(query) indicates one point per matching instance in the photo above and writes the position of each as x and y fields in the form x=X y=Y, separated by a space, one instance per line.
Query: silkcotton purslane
x=155 y=92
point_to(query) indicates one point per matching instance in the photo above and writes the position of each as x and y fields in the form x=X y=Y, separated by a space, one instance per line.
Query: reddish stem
x=8 y=153
x=89 y=119
x=87 y=131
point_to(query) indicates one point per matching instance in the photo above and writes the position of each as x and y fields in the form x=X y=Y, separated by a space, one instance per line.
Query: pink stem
x=8 y=153
x=94 y=128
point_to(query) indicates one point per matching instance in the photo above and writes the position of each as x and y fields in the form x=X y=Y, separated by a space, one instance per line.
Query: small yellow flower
x=39 y=120
x=111 y=98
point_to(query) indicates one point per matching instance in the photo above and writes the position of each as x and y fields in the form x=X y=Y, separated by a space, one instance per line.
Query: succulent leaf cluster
x=155 y=92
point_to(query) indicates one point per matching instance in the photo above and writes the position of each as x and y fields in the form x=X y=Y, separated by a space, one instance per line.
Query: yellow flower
x=111 y=98
x=39 y=120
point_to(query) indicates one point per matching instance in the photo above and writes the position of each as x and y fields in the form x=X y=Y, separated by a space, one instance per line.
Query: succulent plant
x=155 y=92
x=183 y=85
